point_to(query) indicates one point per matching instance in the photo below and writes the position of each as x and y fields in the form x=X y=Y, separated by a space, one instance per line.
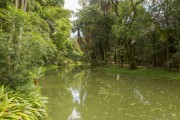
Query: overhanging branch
x=134 y=10
x=116 y=3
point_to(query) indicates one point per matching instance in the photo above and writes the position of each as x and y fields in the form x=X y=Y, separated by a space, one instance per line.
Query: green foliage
x=23 y=50
x=18 y=105
x=96 y=31
x=147 y=29
x=36 y=37
x=61 y=33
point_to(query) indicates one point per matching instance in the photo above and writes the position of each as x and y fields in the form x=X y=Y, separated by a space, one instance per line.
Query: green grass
x=143 y=72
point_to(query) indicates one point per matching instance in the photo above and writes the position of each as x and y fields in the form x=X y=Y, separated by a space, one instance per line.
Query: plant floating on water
x=20 y=106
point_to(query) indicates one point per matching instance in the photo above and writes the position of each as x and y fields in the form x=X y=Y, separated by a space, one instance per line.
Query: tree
x=32 y=34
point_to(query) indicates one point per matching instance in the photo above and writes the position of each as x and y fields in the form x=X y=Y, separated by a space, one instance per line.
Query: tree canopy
x=135 y=32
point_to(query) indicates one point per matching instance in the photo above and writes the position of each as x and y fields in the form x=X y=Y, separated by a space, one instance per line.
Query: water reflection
x=78 y=100
x=119 y=79
x=76 y=95
x=77 y=89
x=85 y=94
x=140 y=97
x=75 y=115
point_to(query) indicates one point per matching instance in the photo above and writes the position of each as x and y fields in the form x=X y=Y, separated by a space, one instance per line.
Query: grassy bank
x=144 y=72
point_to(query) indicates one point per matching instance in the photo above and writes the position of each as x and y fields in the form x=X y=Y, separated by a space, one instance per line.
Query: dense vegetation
x=36 y=33
x=21 y=106
x=135 y=32
x=33 y=33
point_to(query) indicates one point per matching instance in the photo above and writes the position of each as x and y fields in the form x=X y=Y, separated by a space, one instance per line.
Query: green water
x=85 y=94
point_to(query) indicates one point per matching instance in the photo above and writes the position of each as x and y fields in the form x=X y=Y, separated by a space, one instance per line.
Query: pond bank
x=142 y=72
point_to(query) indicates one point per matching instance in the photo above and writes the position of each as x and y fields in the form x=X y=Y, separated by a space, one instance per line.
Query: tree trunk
x=122 y=60
x=168 y=34
x=115 y=56
x=155 y=39
x=9 y=45
x=25 y=5
x=167 y=57
x=131 y=58
x=17 y=3
x=23 y=8
x=155 y=64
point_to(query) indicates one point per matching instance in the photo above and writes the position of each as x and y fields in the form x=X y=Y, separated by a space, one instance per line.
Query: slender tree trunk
x=23 y=8
x=155 y=48
x=115 y=55
x=9 y=45
x=25 y=5
x=168 y=34
x=122 y=60
x=131 y=52
x=17 y=3
x=156 y=58
x=167 y=56
x=104 y=55
x=131 y=58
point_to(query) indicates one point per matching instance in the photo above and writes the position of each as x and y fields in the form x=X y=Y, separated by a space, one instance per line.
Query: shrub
x=20 y=106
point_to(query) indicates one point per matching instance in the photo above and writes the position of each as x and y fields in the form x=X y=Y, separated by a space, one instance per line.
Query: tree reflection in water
x=76 y=95
x=140 y=97
x=77 y=88
x=85 y=94
x=75 y=115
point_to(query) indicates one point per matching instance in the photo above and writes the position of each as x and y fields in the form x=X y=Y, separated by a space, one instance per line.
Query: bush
x=20 y=106
x=22 y=51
